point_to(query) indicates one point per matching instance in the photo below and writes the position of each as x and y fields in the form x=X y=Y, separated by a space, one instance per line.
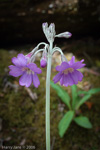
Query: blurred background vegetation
x=22 y=110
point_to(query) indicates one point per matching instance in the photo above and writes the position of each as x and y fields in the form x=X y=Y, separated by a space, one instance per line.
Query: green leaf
x=92 y=91
x=74 y=95
x=82 y=101
x=82 y=92
x=62 y=94
x=83 y=122
x=65 y=122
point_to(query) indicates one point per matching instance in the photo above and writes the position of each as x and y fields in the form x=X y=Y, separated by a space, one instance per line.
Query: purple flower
x=28 y=71
x=68 y=73
x=43 y=63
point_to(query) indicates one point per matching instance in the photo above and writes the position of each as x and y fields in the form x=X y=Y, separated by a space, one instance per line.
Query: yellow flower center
x=69 y=70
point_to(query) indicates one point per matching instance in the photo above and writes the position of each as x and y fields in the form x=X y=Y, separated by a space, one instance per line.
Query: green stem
x=48 y=100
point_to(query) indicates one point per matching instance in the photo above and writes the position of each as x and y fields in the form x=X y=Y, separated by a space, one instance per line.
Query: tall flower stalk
x=48 y=103
x=25 y=67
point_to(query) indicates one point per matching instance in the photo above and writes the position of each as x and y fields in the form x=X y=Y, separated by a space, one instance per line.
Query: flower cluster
x=25 y=67
x=51 y=34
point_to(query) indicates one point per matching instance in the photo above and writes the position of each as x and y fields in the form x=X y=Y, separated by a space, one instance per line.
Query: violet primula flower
x=68 y=73
x=28 y=71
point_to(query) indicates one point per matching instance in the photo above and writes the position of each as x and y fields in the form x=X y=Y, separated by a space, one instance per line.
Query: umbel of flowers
x=68 y=73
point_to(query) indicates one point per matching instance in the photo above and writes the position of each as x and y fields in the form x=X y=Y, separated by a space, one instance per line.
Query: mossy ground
x=22 y=118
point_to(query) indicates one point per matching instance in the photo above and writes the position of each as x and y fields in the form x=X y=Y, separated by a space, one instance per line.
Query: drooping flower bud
x=64 y=35
x=43 y=61
x=29 y=55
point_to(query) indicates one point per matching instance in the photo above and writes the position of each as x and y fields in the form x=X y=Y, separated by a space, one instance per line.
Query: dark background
x=20 y=20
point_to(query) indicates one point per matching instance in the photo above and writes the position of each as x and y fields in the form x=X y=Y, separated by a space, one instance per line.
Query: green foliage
x=87 y=95
x=83 y=122
x=83 y=100
x=92 y=91
x=65 y=122
x=74 y=95
x=73 y=105
x=62 y=94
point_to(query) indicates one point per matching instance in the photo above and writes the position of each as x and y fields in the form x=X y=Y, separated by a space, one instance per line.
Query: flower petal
x=62 y=80
x=79 y=75
x=74 y=76
x=36 y=81
x=78 y=65
x=57 y=77
x=65 y=80
x=82 y=60
x=25 y=79
x=34 y=68
x=20 y=60
x=70 y=80
x=15 y=61
x=15 y=71
x=72 y=61
x=63 y=66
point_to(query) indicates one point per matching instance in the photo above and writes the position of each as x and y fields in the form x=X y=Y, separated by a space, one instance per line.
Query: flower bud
x=52 y=28
x=64 y=35
x=43 y=63
x=49 y=31
x=45 y=26
x=29 y=55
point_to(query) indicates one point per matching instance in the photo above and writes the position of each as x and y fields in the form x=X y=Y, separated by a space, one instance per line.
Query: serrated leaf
x=65 y=122
x=83 y=122
x=62 y=94
x=74 y=95
x=82 y=101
